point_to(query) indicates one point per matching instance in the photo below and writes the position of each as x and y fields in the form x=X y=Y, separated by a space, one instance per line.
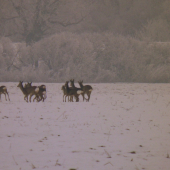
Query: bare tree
x=34 y=19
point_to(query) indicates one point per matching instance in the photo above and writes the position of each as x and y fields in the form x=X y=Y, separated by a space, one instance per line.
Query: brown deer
x=3 y=90
x=72 y=92
x=87 y=89
x=28 y=91
x=70 y=98
x=42 y=92
x=74 y=87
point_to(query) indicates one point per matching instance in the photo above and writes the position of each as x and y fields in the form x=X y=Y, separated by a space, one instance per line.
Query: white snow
x=123 y=127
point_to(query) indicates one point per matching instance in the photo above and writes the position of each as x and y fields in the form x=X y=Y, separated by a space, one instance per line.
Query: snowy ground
x=123 y=127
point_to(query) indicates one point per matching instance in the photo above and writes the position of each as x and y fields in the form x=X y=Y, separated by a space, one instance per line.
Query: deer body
x=79 y=90
x=3 y=90
x=44 y=91
x=33 y=90
x=72 y=92
x=41 y=94
x=87 y=89
x=63 y=88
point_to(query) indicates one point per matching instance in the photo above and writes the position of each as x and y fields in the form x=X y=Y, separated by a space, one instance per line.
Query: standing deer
x=72 y=92
x=70 y=98
x=28 y=91
x=42 y=92
x=87 y=89
x=3 y=90
x=74 y=87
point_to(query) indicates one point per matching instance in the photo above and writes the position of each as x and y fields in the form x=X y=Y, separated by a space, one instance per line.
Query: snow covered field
x=123 y=127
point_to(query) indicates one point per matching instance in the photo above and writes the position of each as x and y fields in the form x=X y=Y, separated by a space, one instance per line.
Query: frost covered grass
x=124 y=126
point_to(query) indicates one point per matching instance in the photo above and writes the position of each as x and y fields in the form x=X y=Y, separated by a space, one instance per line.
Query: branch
x=10 y=18
x=68 y=23
x=8 y=67
x=55 y=1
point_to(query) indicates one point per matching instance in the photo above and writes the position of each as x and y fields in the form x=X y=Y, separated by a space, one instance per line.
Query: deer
x=70 y=98
x=74 y=87
x=3 y=90
x=87 y=89
x=28 y=91
x=72 y=92
x=42 y=92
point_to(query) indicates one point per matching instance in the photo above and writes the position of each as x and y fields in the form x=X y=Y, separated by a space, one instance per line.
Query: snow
x=125 y=126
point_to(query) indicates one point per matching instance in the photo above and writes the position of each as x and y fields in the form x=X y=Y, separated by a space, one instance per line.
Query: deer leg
x=35 y=98
x=0 y=96
x=31 y=96
x=65 y=97
x=84 y=97
x=5 y=96
x=83 y=94
x=26 y=98
x=5 y=92
x=89 y=96
x=8 y=96
x=77 y=98
x=45 y=95
x=71 y=98
x=41 y=97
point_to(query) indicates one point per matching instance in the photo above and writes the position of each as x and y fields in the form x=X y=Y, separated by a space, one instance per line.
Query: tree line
x=93 y=40
x=93 y=57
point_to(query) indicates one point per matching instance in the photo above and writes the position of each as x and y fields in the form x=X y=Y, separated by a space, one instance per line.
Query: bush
x=92 y=57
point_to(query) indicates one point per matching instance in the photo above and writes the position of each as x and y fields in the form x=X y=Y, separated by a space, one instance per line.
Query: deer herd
x=39 y=92
x=73 y=91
